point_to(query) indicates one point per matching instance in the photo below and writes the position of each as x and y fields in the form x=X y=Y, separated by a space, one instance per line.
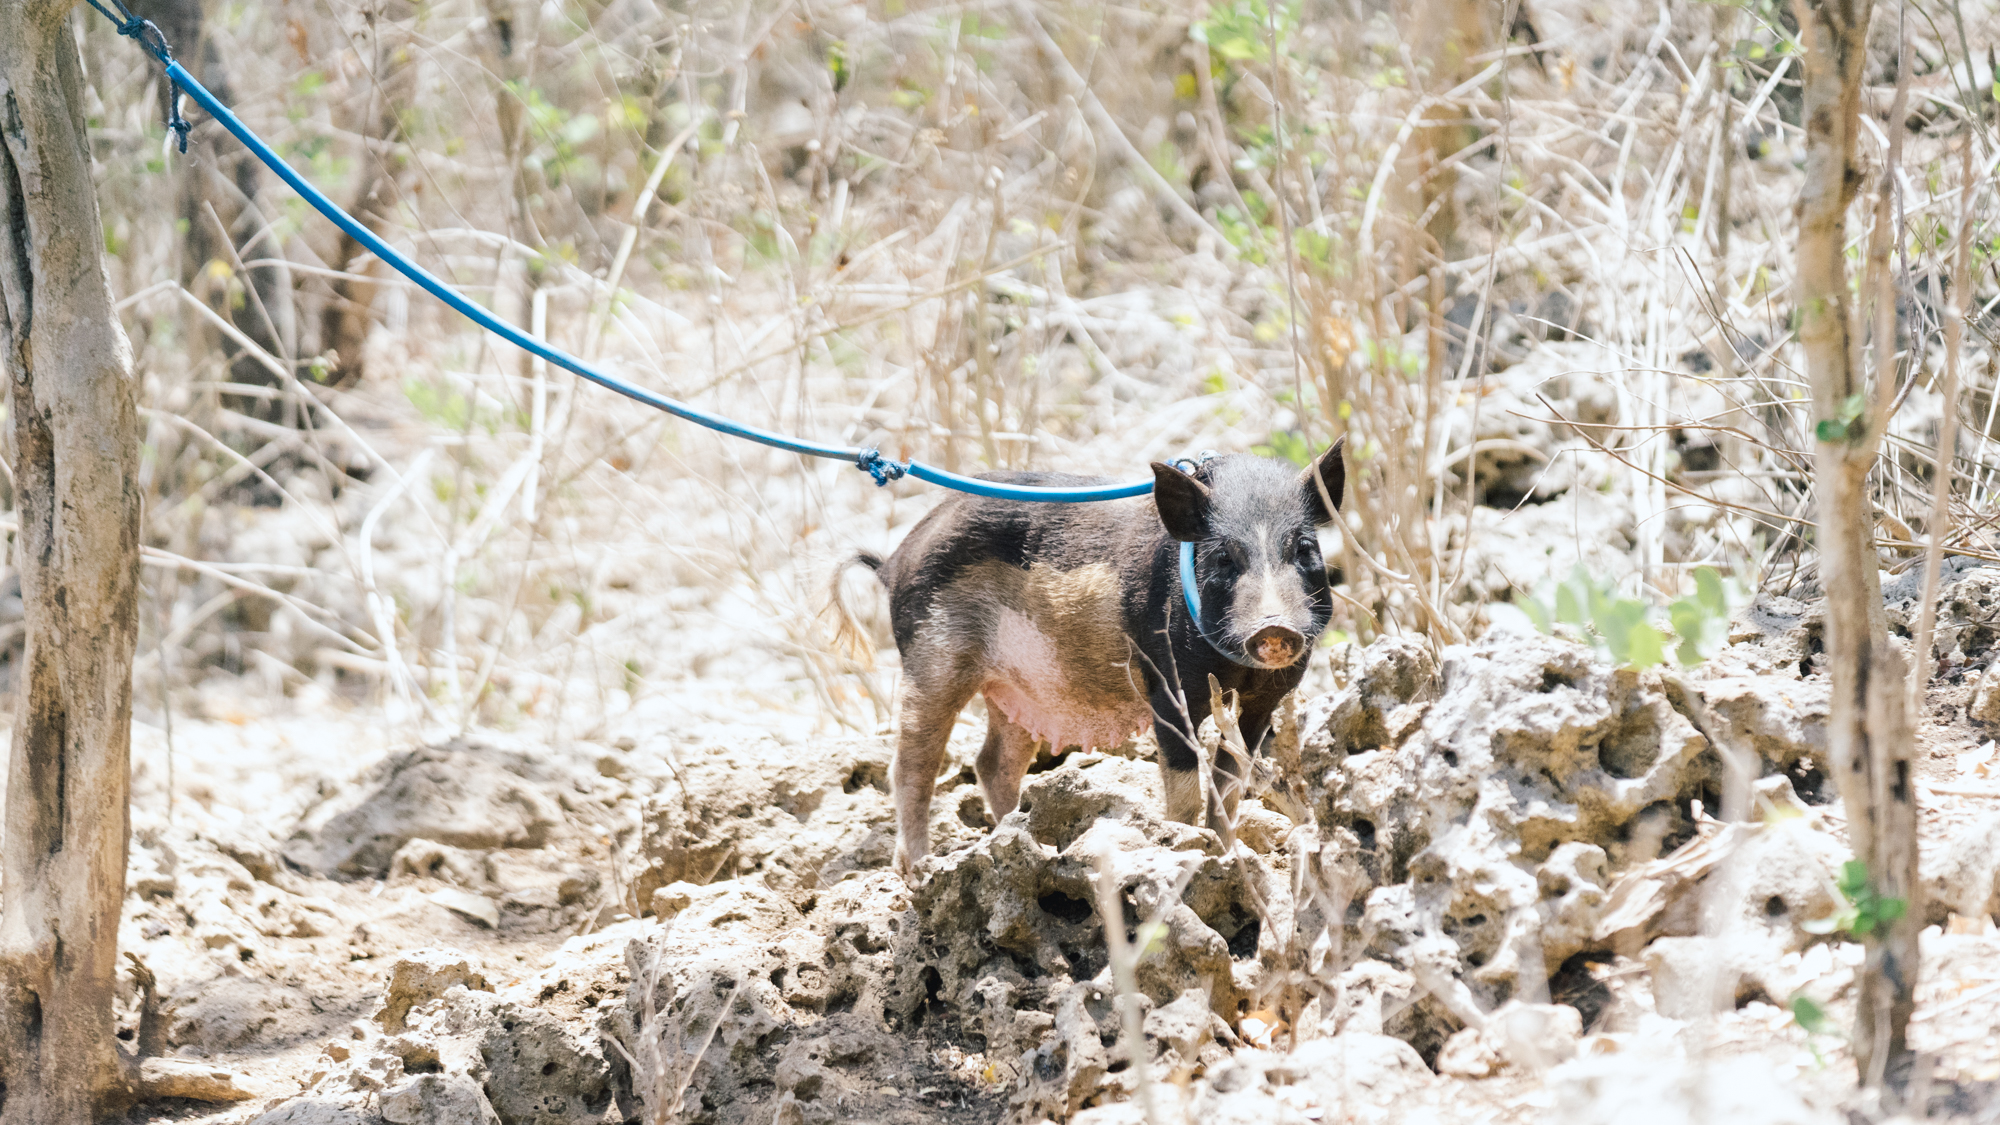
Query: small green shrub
x=1867 y=910
x=1623 y=628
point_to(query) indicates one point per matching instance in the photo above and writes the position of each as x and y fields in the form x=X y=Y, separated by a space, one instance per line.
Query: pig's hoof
x=915 y=872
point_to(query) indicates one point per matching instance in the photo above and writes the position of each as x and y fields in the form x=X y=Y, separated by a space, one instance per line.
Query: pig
x=1071 y=620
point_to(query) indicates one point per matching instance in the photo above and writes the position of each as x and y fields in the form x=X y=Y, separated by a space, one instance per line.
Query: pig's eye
x=1233 y=559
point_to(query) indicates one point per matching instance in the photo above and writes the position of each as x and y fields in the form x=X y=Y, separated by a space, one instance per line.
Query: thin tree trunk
x=347 y=318
x=219 y=176
x=1447 y=36
x=76 y=431
x=1869 y=736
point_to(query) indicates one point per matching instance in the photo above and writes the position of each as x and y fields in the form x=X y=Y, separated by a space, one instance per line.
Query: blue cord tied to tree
x=869 y=460
x=148 y=35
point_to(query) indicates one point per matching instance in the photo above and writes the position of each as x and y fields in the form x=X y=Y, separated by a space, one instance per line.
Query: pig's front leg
x=1175 y=722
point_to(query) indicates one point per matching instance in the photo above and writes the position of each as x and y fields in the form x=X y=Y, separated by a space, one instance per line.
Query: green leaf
x=1621 y=627
x=1830 y=431
x=1568 y=610
x=1237 y=48
x=836 y=64
x=1853 y=878
x=1685 y=617
x=1536 y=611
x=1708 y=589
x=1809 y=1015
x=1645 y=647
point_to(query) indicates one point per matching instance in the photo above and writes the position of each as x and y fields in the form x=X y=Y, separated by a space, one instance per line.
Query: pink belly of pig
x=1062 y=694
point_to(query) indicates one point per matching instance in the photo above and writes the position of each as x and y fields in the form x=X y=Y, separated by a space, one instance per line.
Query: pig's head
x=1256 y=560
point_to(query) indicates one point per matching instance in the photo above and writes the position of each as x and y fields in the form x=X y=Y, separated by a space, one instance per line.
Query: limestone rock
x=1519 y=1036
x=1783 y=721
x=1496 y=808
x=422 y=976
x=190 y=1079
x=477 y=908
x=316 y=1111
x=437 y=1099
x=1966 y=877
x=462 y=794
x=1649 y=1078
x=791 y=816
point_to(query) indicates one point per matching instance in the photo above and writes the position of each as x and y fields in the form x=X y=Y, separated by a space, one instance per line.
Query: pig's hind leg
x=1003 y=761
x=930 y=707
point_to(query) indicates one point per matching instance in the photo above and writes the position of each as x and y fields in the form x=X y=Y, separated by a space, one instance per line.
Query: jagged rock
x=1765 y=880
x=1376 y=998
x=1354 y=1077
x=450 y=1053
x=1495 y=808
x=1968 y=609
x=1523 y=1037
x=463 y=794
x=1022 y=900
x=1985 y=704
x=428 y=859
x=1443 y=829
x=1782 y=721
x=538 y=1073
x=437 y=1099
x=316 y=1111
x=1693 y=977
x=1648 y=1077
x=791 y=816
x=423 y=976
x=1966 y=876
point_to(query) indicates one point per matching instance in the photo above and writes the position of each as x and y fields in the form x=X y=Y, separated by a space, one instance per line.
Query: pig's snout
x=1276 y=646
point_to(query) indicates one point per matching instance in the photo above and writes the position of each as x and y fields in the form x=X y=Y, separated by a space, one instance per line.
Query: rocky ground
x=1486 y=885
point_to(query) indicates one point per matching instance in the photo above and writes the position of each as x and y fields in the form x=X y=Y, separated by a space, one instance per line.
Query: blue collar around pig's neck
x=1190 y=589
x=1191 y=595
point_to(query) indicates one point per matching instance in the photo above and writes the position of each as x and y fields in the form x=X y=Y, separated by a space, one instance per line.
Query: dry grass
x=986 y=234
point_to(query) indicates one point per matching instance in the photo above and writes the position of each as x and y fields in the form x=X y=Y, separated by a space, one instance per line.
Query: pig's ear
x=1333 y=471
x=1183 y=503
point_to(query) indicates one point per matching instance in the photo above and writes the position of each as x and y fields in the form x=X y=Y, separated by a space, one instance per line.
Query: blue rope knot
x=883 y=469
x=148 y=35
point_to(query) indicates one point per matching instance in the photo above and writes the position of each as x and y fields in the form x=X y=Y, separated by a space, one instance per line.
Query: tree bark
x=1869 y=737
x=76 y=430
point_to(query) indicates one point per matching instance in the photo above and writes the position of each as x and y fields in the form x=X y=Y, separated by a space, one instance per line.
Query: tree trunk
x=1446 y=37
x=1869 y=736
x=379 y=184
x=220 y=176
x=76 y=432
